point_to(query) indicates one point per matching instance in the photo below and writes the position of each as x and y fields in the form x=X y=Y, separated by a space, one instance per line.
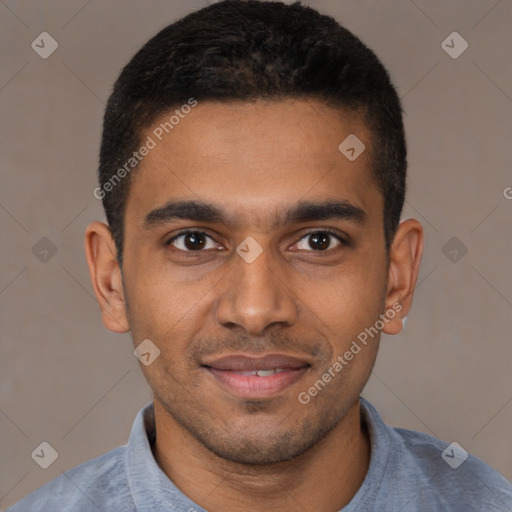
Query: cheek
x=168 y=305
x=167 y=311
x=351 y=299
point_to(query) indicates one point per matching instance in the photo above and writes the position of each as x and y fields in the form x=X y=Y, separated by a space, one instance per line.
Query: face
x=254 y=272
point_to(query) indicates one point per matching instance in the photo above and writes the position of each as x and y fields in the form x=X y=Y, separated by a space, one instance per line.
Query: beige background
x=67 y=381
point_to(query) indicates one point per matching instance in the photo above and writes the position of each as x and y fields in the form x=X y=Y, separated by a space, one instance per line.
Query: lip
x=231 y=372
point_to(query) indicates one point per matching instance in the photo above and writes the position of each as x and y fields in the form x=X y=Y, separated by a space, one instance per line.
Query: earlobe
x=106 y=276
x=404 y=263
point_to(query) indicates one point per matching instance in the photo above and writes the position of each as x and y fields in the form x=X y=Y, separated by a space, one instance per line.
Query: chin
x=265 y=447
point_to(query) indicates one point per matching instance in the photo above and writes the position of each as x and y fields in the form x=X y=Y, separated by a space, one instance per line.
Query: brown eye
x=319 y=241
x=191 y=241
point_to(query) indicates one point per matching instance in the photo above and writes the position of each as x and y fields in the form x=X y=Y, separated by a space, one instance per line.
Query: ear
x=101 y=254
x=404 y=264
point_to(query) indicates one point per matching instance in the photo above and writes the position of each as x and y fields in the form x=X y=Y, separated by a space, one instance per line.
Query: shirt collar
x=380 y=448
x=152 y=490
x=150 y=487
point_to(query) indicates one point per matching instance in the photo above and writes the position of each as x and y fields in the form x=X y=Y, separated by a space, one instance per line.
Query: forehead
x=251 y=158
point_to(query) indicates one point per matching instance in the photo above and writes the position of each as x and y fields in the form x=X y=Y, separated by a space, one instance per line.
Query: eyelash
x=343 y=241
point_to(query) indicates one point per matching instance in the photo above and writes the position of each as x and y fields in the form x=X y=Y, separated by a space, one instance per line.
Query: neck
x=324 y=478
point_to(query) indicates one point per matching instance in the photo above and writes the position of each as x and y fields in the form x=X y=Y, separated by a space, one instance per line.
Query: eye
x=191 y=241
x=197 y=241
x=320 y=241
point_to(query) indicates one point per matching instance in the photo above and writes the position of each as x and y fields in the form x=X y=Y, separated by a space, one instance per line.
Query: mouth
x=252 y=377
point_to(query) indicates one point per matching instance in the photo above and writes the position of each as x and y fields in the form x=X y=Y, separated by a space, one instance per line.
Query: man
x=252 y=170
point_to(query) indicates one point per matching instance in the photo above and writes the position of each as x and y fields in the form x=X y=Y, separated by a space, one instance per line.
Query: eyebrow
x=303 y=211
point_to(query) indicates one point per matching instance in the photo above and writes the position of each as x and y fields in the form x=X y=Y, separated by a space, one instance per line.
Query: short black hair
x=244 y=50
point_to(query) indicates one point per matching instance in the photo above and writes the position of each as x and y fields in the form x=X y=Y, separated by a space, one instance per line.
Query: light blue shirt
x=407 y=473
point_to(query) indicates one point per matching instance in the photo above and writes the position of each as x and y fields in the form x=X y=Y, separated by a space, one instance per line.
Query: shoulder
x=98 y=484
x=412 y=471
x=451 y=474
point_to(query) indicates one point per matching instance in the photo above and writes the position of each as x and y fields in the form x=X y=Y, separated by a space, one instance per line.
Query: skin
x=226 y=452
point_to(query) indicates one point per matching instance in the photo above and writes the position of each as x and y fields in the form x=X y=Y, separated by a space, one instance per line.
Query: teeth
x=261 y=373
x=265 y=373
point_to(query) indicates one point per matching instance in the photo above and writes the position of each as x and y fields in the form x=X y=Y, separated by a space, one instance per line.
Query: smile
x=252 y=377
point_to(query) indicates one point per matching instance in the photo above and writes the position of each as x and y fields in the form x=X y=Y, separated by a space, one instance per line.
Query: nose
x=257 y=295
